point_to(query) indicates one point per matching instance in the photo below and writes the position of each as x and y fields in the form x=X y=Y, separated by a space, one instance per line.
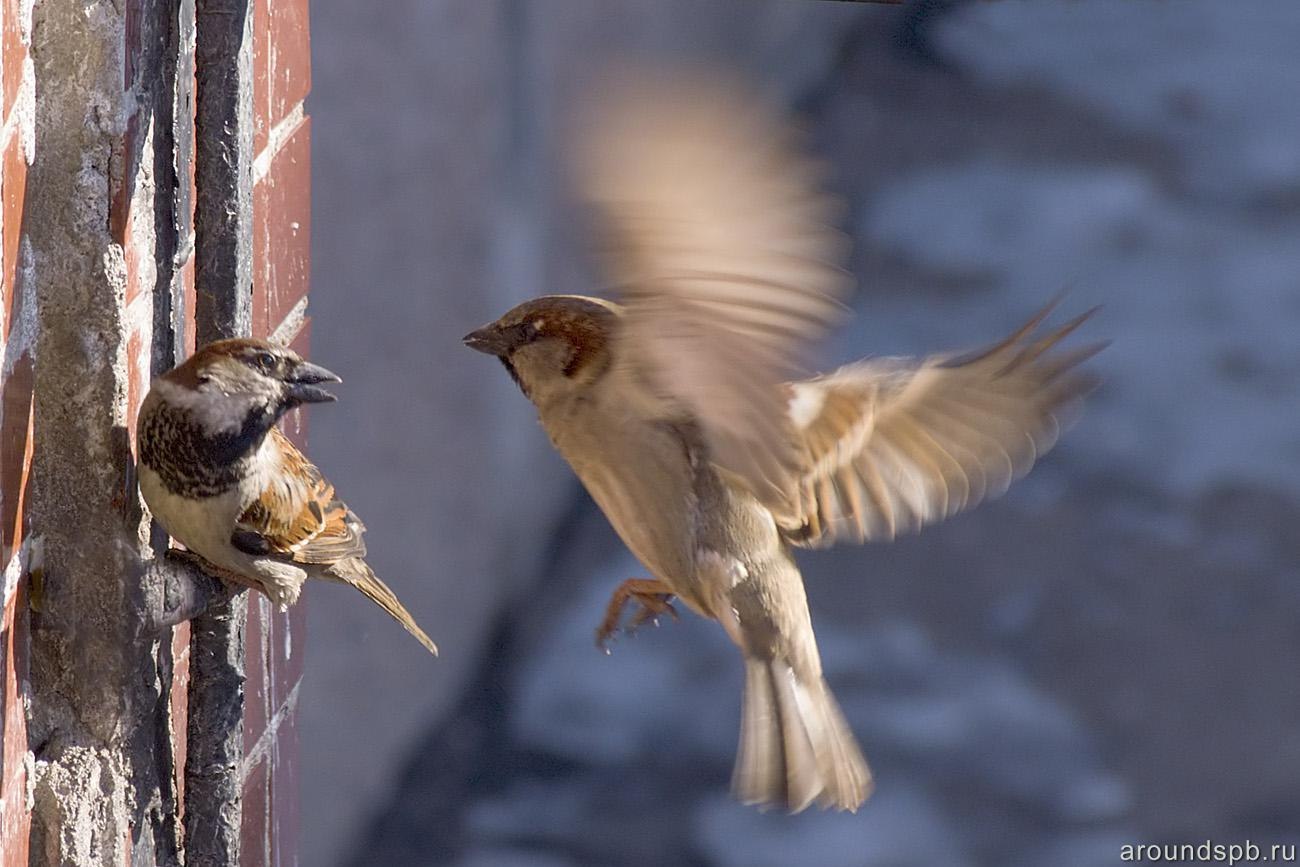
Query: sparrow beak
x=488 y=339
x=303 y=383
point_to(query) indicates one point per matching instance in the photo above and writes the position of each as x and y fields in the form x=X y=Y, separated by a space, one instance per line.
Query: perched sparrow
x=673 y=408
x=230 y=487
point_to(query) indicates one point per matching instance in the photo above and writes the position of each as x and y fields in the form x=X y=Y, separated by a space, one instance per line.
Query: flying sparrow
x=228 y=485
x=674 y=408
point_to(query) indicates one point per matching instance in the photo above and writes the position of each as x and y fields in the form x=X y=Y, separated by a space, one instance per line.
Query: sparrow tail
x=356 y=573
x=795 y=746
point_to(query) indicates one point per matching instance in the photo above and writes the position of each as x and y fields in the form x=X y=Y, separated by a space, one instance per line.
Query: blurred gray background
x=1107 y=655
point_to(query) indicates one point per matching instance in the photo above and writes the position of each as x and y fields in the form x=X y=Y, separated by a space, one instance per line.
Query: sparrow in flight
x=678 y=408
x=228 y=485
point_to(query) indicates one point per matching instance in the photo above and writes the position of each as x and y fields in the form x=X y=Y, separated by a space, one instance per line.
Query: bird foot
x=654 y=599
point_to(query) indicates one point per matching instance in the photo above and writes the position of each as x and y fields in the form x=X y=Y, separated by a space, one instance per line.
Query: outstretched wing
x=298 y=517
x=890 y=445
x=718 y=241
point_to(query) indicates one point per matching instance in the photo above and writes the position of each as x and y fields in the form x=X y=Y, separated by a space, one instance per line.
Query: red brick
x=289 y=67
x=285 y=794
x=294 y=424
x=285 y=652
x=136 y=358
x=119 y=206
x=128 y=154
x=281 y=238
x=262 y=121
x=254 y=833
x=124 y=217
x=11 y=716
x=14 y=850
x=180 y=695
x=300 y=342
x=257 y=704
x=13 y=187
x=12 y=55
x=282 y=232
x=281 y=63
x=288 y=630
x=185 y=221
x=192 y=167
x=16 y=447
x=191 y=298
x=13 y=733
x=287 y=645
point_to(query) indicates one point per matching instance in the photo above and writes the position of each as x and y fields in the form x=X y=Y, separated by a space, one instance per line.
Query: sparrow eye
x=266 y=361
x=527 y=332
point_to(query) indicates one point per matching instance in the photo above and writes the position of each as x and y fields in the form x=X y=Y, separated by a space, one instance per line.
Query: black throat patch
x=514 y=374
x=193 y=462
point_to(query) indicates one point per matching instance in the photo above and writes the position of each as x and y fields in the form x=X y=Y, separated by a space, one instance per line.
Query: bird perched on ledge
x=228 y=485
x=676 y=409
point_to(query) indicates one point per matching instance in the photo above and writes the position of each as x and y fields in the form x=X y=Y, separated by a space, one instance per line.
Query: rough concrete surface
x=98 y=728
x=1106 y=656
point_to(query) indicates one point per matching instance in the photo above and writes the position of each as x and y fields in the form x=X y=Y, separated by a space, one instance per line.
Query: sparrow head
x=243 y=383
x=552 y=344
x=258 y=369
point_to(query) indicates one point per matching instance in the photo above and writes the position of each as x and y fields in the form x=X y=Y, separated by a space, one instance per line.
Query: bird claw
x=188 y=557
x=651 y=611
x=653 y=598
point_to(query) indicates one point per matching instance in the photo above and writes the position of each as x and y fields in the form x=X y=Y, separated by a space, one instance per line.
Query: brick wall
x=16 y=90
x=150 y=222
x=281 y=263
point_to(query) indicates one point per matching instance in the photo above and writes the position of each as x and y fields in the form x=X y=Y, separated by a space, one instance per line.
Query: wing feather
x=717 y=239
x=299 y=517
x=896 y=444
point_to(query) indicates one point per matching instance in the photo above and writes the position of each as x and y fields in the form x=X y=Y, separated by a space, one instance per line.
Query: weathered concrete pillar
x=98 y=295
x=99 y=724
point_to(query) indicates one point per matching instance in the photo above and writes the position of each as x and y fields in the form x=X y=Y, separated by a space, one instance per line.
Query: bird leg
x=653 y=597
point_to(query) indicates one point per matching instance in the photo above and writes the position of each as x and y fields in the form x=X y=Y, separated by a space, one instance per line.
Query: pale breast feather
x=201 y=525
x=639 y=475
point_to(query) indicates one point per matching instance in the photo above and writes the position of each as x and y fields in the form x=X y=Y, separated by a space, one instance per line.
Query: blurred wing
x=720 y=247
x=891 y=445
x=298 y=516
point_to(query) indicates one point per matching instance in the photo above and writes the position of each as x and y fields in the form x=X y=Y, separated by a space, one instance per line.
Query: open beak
x=304 y=382
x=488 y=339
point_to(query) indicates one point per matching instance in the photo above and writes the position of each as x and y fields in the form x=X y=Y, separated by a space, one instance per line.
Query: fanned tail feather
x=795 y=746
